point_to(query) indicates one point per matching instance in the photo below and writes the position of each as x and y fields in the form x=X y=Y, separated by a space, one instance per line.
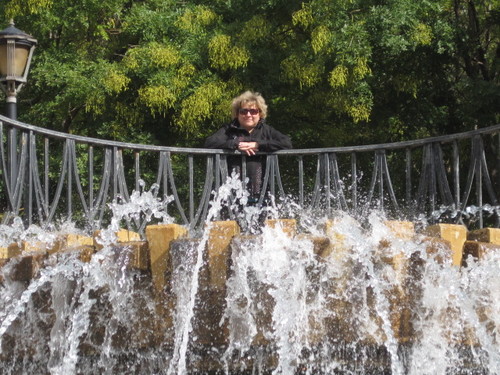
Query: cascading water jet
x=340 y=297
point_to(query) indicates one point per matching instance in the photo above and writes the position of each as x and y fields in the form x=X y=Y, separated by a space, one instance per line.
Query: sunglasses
x=252 y=111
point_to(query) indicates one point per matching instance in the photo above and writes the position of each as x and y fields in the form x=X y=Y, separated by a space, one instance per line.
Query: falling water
x=187 y=283
x=346 y=295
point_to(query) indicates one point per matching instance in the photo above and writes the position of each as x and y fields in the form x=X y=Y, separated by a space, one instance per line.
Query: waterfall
x=333 y=295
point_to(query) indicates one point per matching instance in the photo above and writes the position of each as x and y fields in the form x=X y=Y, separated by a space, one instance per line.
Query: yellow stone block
x=398 y=296
x=478 y=249
x=436 y=245
x=401 y=229
x=138 y=254
x=159 y=238
x=321 y=244
x=404 y=230
x=490 y=235
x=455 y=234
x=338 y=248
x=123 y=235
x=288 y=226
x=15 y=248
x=85 y=252
x=71 y=240
x=220 y=234
x=9 y=252
x=32 y=246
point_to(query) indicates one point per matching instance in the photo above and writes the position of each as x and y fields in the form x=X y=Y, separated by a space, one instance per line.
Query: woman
x=249 y=133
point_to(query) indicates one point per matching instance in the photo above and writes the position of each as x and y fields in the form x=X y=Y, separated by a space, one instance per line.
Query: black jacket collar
x=235 y=125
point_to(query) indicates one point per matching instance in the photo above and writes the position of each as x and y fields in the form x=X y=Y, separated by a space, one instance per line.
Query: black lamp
x=16 y=50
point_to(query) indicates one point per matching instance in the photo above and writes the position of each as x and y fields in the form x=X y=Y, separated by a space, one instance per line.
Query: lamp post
x=16 y=50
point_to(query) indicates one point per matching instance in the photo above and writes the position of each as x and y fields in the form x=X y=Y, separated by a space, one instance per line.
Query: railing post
x=408 y=168
x=301 y=181
x=191 y=188
x=354 y=181
x=12 y=157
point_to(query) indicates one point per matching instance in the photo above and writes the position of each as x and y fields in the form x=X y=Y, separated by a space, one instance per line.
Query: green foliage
x=354 y=71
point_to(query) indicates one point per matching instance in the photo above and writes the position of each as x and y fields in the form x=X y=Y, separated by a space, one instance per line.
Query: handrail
x=344 y=149
x=322 y=180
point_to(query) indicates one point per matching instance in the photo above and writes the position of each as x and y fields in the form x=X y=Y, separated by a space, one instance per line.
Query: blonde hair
x=249 y=97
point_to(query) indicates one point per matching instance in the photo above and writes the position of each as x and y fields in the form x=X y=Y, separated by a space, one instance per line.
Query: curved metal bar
x=278 y=176
x=174 y=189
x=375 y=178
x=99 y=203
x=60 y=183
x=5 y=174
x=317 y=184
x=265 y=181
x=73 y=161
x=337 y=183
x=388 y=180
x=474 y=165
x=205 y=196
x=478 y=172
x=160 y=176
x=39 y=194
x=442 y=179
x=21 y=173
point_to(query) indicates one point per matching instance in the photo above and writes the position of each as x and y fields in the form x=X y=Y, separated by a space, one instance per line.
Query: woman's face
x=248 y=116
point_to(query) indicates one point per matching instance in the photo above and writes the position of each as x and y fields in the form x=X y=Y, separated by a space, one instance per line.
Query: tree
x=357 y=71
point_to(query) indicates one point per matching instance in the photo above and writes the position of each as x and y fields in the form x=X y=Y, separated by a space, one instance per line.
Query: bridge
x=48 y=175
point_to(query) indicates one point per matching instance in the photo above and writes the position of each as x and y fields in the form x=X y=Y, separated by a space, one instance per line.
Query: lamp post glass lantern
x=16 y=50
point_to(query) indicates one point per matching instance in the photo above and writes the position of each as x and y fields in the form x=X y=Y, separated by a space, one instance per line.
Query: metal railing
x=48 y=175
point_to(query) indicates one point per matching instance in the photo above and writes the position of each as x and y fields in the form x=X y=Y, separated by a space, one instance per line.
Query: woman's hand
x=250 y=148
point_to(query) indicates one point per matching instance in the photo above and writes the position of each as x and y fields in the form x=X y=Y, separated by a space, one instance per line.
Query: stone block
x=27 y=267
x=10 y=251
x=3 y=262
x=136 y=253
x=71 y=240
x=478 y=249
x=220 y=234
x=159 y=238
x=123 y=235
x=490 y=235
x=338 y=248
x=322 y=245
x=454 y=233
x=30 y=246
x=85 y=252
x=440 y=248
x=401 y=229
x=399 y=295
x=288 y=226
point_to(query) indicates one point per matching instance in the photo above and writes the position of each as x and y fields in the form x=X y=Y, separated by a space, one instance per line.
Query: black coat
x=268 y=139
